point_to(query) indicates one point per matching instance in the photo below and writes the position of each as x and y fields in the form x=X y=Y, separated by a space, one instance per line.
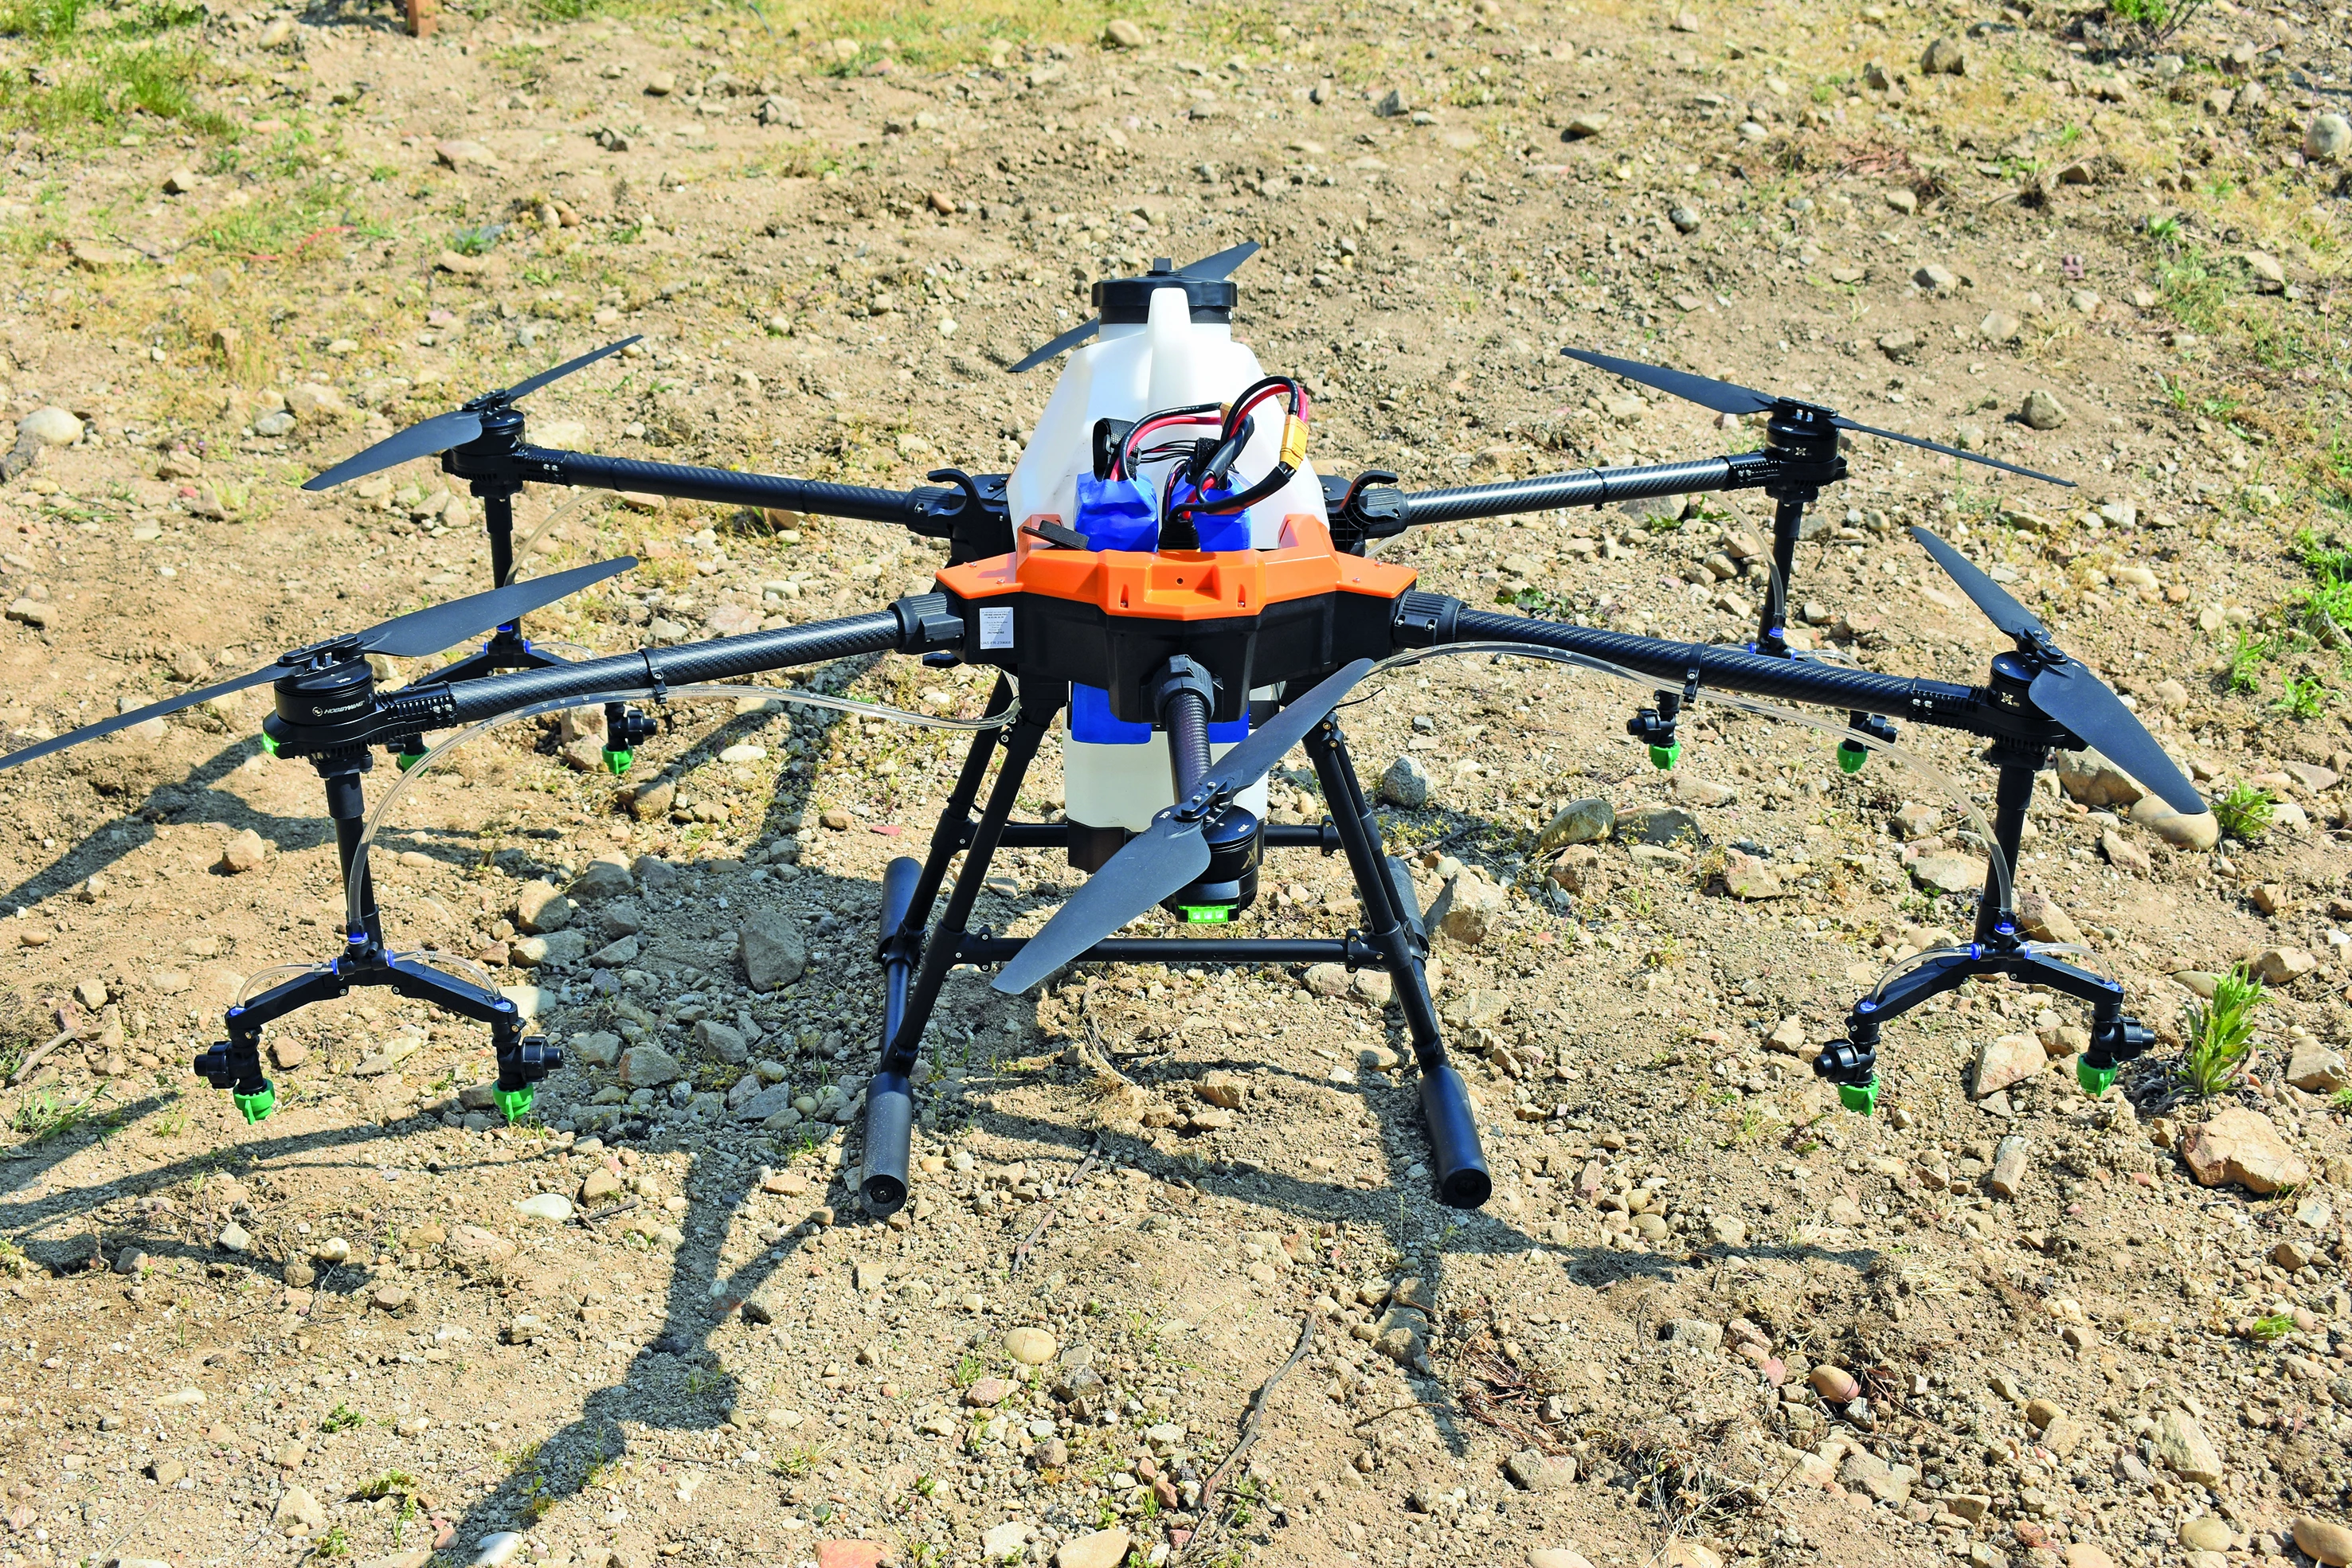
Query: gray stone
x=2327 y=139
x=596 y=1048
x=649 y=1067
x=764 y=1103
x=2006 y=1061
x=1477 y=904
x=1949 y=873
x=1865 y=1471
x=1697 y=1332
x=1405 y=784
x=51 y=426
x=723 y=1040
x=2315 y=1068
x=2094 y=781
x=2008 y=1159
x=540 y=908
x=601 y=880
x=556 y=948
x=1581 y=822
x=1540 y=1472
x=2042 y=411
x=1945 y=57
x=615 y=954
x=2185 y=1449
x=1655 y=825
x=773 y=950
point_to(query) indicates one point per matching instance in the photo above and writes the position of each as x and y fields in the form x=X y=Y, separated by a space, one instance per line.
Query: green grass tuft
x=2220 y=1035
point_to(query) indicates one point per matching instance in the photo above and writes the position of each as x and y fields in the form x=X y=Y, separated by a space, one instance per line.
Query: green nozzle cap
x=269 y=743
x=515 y=1102
x=407 y=759
x=2095 y=1081
x=254 y=1107
x=1860 y=1099
x=617 y=762
x=1665 y=756
x=1851 y=757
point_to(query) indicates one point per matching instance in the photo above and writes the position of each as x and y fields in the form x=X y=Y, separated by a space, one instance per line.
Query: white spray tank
x=1167 y=341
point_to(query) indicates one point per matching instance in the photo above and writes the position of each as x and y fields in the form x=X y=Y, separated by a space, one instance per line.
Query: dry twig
x=1250 y=1419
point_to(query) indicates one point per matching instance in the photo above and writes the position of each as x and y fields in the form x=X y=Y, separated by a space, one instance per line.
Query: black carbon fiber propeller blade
x=2068 y=692
x=454 y=428
x=432 y=437
x=1721 y=396
x=1171 y=851
x=1213 y=268
x=439 y=626
x=1843 y=423
x=2082 y=703
x=136 y=716
x=1724 y=397
x=409 y=636
x=1987 y=595
x=1223 y=263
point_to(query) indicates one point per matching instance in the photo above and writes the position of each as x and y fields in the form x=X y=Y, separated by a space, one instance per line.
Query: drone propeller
x=2065 y=691
x=1722 y=397
x=409 y=636
x=1172 y=851
x=1212 y=267
x=454 y=428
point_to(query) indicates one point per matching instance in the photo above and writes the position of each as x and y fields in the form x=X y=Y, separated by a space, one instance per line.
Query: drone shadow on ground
x=196 y=800
x=643 y=1393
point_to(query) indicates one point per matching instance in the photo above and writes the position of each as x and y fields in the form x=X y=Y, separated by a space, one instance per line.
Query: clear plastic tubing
x=1844 y=732
x=423 y=764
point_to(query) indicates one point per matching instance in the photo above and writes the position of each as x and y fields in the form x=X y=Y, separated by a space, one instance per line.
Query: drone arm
x=1425 y=620
x=926 y=510
x=1585 y=488
x=914 y=624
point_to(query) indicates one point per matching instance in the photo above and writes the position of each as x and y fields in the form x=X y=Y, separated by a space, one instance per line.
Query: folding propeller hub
x=320 y=655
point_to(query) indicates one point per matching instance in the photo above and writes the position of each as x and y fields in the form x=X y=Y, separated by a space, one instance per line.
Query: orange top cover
x=1181 y=585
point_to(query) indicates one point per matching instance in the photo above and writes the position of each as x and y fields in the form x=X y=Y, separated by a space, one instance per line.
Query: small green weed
x=2220 y=1035
x=477 y=241
x=2246 y=659
x=2193 y=289
x=386 y=1484
x=2275 y=1326
x=336 y=1542
x=41 y=1115
x=341 y=1418
x=2304 y=698
x=2244 y=813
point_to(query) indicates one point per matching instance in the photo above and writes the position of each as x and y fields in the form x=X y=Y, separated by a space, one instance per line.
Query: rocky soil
x=1171 y=1288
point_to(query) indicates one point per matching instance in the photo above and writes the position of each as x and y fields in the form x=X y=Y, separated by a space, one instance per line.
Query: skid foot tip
x=1465 y=1189
x=885 y=1195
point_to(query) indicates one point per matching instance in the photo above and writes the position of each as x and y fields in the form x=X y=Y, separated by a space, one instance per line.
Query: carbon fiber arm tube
x=1586 y=487
x=726 y=488
x=1422 y=620
x=819 y=642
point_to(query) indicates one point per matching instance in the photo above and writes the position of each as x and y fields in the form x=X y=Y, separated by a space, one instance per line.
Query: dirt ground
x=1707 y=1318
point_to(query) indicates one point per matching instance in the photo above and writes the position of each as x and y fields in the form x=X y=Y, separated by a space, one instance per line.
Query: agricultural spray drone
x=1163 y=566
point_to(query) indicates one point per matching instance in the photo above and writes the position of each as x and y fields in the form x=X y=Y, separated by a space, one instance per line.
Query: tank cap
x=1127 y=301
